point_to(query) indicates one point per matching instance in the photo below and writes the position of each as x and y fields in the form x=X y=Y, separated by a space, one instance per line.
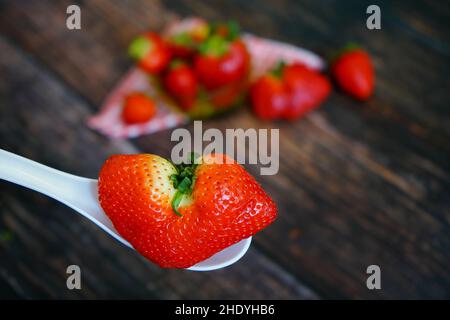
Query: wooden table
x=359 y=183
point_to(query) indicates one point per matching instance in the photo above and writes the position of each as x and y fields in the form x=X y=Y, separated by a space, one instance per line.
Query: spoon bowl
x=81 y=195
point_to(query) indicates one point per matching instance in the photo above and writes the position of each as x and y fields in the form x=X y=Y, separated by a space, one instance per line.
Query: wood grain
x=359 y=183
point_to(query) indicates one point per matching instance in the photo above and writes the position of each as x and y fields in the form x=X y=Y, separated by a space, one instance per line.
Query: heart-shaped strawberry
x=177 y=216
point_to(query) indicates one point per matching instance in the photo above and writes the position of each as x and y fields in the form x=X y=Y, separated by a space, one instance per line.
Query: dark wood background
x=359 y=183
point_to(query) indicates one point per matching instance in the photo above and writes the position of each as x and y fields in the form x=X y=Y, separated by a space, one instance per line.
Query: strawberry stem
x=183 y=181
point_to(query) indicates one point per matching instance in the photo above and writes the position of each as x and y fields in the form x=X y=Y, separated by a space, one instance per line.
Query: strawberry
x=181 y=82
x=353 y=72
x=269 y=97
x=177 y=216
x=288 y=92
x=221 y=62
x=307 y=89
x=138 y=108
x=150 y=52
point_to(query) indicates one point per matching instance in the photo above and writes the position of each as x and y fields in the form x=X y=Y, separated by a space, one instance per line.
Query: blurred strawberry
x=223 y=58
x=288 y=92
x=307 y=89
x=269 y=96
x=138 y=108
x=353 y=71
x=150 y=52
x=181 y=82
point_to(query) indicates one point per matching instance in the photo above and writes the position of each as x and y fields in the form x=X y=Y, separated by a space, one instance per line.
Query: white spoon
x=81 y=195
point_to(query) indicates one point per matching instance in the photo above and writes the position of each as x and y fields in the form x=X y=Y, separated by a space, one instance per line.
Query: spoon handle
x=51 y=182
x=76 y=192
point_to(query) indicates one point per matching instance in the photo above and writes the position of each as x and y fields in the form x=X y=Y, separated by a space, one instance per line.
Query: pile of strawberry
x=205 y=70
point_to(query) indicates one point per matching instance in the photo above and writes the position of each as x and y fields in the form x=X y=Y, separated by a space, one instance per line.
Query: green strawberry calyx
x=219 y=38
x=277 y=71
x=183 y=39
x=183 y=181
x=140 y=47
x=215 y=45
x=229 y=30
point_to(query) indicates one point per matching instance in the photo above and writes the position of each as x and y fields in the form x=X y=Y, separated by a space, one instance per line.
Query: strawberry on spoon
x=179 y=216
x=81 y=195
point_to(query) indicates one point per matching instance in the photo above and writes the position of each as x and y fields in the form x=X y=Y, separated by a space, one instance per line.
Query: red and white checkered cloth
x=264 y=53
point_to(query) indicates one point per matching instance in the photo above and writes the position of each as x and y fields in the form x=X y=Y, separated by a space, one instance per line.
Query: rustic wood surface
x=359 y=183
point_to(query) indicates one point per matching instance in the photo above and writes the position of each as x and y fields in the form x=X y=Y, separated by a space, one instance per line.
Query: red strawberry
x=307 y=89
x=354 y=73
x=181 y=82
x=179 y=216
x=221 y=62
x=269 y=97
x=288 y=92
x=151 y=52
x=138 y=108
